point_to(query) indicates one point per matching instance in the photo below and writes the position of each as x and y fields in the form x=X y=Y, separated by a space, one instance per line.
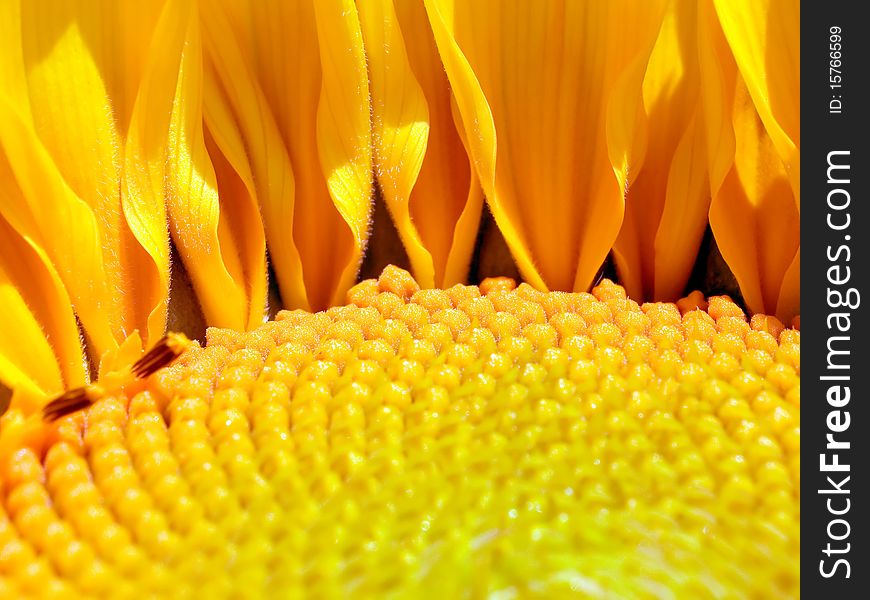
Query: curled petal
x=245 y=131
x=86 y=81
x=420 y=162
x=344 y=138
x=309 y=150
x=764 y=37
x=754 y=213
x=789 y=303
x=39 y=340
x=666 y=205
x=446 y=202
x=145 y=157
x=47 y=212
x=754 y=216
x=213 y=217
x=400 y=123
x=550 y=98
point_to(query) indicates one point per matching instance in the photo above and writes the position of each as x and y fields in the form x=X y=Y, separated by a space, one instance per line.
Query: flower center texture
x=491 y=441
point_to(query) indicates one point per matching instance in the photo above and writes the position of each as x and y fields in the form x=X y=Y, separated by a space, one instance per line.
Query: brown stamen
x=170 y=347
x=71 y=401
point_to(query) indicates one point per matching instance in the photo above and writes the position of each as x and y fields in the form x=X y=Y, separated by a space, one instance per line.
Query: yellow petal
x=120 y=359
x=26 y=358
x=244 y=130
x=685 y=215
x=789 y=303
x=47 y=212
x=666 y=205
x=754 y=215
x=13 y=79
x=765 y=39
x=717 y=94
x=400 y=124
x=64 y=48
x=447 y=199
x=344 y=133
x=213 y=218
x=39 y=340
x=303 y=75
x=559 y=85
x=84 y=63
x=421 y=164
x=94 y=81
x=145 y=155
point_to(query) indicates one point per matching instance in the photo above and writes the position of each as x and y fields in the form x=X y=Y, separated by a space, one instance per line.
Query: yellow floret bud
x=428 y=443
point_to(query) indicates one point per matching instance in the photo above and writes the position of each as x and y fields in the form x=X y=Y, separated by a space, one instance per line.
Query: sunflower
x=437 y=430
